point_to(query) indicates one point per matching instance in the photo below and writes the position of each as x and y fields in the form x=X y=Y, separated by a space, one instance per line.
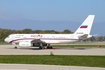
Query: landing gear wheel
x=40 y=47
x=49 y=47
x=15 y=47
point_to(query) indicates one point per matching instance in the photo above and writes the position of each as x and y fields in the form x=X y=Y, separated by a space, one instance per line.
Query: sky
x=51 y=14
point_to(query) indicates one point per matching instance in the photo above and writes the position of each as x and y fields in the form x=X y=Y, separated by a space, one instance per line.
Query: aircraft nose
x=6 y=40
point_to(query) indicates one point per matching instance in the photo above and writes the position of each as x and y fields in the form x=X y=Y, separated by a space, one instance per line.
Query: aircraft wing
x=37 y=40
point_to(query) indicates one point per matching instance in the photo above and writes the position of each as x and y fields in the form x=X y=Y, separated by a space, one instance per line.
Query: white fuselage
x=82 y=33
x=47 y=38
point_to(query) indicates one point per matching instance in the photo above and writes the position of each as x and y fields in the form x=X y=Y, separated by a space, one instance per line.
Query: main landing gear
x=42 y=47
x=49 y=46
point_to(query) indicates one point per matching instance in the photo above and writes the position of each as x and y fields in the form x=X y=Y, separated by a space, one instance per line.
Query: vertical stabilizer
x=86 y=26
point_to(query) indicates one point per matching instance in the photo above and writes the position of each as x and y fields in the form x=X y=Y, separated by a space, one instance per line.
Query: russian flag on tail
x=83 y=26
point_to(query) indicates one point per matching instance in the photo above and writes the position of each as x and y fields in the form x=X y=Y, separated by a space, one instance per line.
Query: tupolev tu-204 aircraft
x=42 y=40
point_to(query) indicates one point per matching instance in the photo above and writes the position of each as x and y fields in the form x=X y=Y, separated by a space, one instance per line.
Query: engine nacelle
x=25 y=44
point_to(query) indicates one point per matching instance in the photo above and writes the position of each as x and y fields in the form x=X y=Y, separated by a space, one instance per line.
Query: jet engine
x=25 y=44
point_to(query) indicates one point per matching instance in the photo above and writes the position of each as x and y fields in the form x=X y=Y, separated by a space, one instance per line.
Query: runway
x=44 y=67
x=9 y=50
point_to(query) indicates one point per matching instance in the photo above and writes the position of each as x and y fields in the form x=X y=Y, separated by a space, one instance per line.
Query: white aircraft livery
x=42 y=40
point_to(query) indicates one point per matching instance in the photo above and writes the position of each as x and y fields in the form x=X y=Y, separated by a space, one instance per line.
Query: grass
x=91 y=61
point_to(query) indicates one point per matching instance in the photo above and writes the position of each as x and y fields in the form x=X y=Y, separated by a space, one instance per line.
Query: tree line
x=5 y=32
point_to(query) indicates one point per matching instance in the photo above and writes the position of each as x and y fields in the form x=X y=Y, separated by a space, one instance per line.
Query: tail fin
x=86 y=26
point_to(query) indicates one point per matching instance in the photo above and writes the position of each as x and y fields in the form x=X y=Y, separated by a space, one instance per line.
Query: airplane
x=42 y=40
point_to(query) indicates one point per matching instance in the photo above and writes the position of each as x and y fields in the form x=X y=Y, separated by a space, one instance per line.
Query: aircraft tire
x=49 y=47
x=15 y=47
x=40 y=47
